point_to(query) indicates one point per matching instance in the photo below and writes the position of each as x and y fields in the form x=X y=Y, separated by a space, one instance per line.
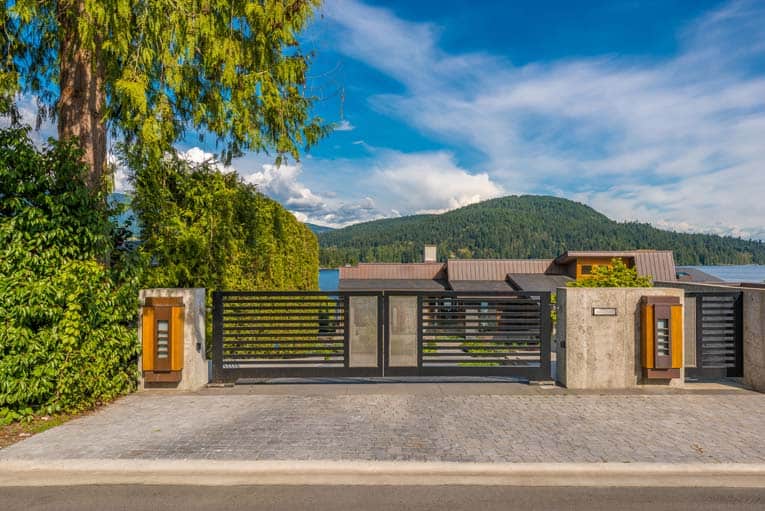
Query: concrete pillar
x=754 y=339
x=195 y=369
x=601 y=351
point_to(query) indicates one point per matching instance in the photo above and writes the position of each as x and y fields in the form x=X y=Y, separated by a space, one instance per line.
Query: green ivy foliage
x=203 y=227
x=616 y=275
x=68 y=293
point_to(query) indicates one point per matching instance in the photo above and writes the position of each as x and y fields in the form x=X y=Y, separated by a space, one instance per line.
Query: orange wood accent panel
x=176 y=331
x=162 y=377
x=596 y=261
x=676 y=334
x=147 y=338
x=646 y=335
x=158 y=301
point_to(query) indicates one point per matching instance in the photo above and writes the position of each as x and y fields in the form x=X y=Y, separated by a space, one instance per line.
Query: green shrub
x=616 y=275
x=206 y=228
x=68 y=295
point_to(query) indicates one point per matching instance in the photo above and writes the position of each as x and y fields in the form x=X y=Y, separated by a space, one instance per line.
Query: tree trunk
x=82 y=99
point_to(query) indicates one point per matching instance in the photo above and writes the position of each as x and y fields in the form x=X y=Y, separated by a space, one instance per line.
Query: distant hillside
x=318 y=229
x=522 y=227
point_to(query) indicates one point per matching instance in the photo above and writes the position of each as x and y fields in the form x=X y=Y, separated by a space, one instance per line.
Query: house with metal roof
x=689 y=274
x=500 y=274
x=427 y=276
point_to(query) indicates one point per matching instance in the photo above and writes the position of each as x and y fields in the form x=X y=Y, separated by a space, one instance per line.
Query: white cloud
x=121 y=175
x=301 y=217
x=390 y=184
x=431 y=182
x=198 y=156
x=344 y=125
x=673 y=141
x=44 y=128
x=281 y=183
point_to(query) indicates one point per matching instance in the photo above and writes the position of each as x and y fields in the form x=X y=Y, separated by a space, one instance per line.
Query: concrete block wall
x=195 y=368
x=754 y=338
x=603 y=352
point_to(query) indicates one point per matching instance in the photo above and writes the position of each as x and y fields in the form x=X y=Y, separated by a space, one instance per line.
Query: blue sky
x=645 y=110
x=650 y=111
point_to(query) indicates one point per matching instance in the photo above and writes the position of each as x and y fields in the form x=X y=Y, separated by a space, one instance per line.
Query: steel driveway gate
x=296 y=334
x=718 y=335
x=336 y=334
x=469 y=334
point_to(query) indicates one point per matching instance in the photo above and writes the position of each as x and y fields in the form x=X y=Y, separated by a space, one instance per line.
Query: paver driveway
x=408 y=422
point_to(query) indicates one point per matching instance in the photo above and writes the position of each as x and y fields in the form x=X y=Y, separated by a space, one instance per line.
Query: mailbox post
x=162 y=334
x=661 y=337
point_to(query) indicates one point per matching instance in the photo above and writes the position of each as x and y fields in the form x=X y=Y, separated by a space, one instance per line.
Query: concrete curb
x=230 y=473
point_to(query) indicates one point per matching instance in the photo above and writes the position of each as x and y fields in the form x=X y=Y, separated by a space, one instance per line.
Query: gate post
x=173 y=354
x=754 y=338
x=217 y=347
x=599 y=337
x=545 y=347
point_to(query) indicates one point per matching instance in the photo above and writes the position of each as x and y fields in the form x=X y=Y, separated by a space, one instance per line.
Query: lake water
x=742 y=273
x=329 y=279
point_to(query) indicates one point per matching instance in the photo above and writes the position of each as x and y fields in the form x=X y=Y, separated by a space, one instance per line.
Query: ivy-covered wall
x=202 y=227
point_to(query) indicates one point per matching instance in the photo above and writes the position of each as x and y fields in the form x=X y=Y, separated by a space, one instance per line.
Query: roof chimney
x=430 y=254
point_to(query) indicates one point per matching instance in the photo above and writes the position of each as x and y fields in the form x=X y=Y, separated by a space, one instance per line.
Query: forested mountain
x=318 y=229
x=522 y=227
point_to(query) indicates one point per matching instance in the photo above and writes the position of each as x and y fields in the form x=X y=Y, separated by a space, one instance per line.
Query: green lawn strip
x=21 y=430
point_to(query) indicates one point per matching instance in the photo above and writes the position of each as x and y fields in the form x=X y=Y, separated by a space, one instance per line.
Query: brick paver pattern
x=474 y=428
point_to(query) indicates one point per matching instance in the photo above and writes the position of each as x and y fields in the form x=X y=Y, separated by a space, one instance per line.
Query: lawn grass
x=18 y=431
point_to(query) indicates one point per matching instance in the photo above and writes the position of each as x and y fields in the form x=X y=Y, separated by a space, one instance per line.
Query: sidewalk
x=499 y=428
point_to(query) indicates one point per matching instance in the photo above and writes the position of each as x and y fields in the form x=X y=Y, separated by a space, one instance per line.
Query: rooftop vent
x=430 y=254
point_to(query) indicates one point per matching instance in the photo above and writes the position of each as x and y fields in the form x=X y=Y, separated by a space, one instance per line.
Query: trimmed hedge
x=203 y=227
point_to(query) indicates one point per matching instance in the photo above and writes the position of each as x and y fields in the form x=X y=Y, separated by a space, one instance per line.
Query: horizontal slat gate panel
x=718 y=331
x=271 y=334
x=490 y=332
x=287 y=341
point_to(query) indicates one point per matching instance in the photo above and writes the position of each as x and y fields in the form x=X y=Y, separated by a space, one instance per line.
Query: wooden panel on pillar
x=147 y=338
x=676 y=325
x=176 y=332
x=647 y=336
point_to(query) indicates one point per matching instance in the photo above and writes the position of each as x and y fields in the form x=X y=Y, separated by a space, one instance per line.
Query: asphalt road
x=375 y=498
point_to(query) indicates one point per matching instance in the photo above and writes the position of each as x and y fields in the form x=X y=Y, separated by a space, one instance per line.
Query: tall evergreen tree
x=149 y=70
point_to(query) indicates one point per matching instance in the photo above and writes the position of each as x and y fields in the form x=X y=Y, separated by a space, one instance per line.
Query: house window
x=586 y=269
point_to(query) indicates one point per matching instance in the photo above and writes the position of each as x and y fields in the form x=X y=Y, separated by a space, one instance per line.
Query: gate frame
x=222 y=374
x=543 y=372
x=717 y=373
